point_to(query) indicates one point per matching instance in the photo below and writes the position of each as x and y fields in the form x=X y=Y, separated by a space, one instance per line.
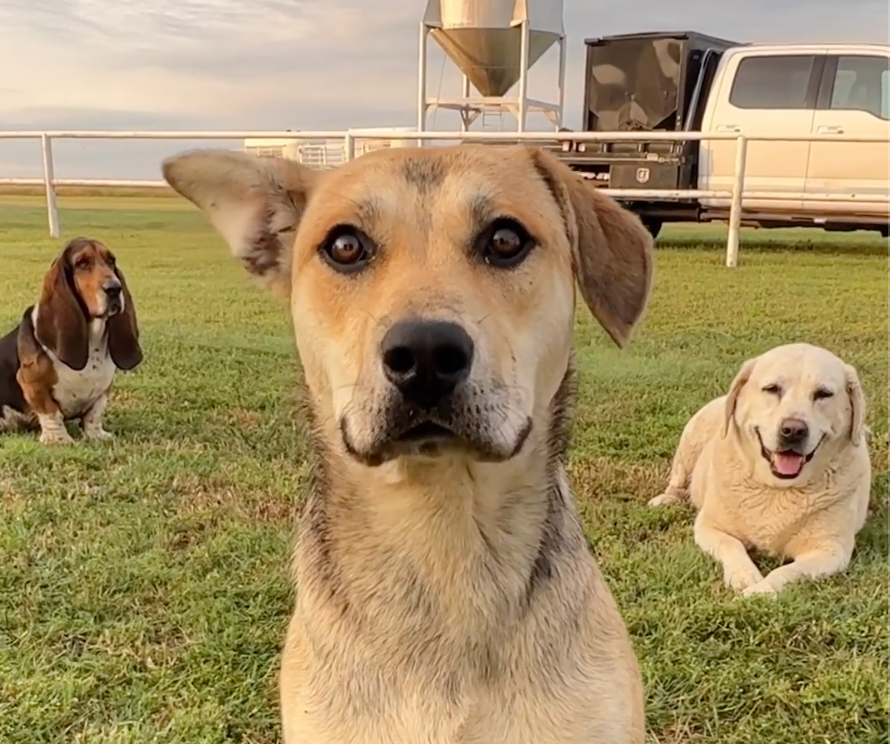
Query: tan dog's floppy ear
x=255 y=203
x=611 y=248
x=857 y=401
x=741 y=379
x=61 y=321
x=123 y=331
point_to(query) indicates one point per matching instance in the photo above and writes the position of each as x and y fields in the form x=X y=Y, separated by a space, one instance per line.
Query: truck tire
x=653 y=225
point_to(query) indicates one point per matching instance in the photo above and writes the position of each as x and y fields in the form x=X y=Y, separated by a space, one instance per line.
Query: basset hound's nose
x=113 y=289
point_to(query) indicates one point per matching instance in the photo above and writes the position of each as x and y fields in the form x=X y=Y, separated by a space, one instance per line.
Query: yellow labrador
x=779 y=464
x=446 y=592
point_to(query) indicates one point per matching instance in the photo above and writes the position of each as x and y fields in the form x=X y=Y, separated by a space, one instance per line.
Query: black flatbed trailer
x=652 y=81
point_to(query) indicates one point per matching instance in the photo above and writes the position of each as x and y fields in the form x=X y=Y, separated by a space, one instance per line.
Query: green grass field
x=143 y=588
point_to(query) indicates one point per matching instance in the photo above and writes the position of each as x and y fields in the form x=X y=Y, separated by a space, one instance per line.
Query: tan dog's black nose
x=793 y=431
x=426 y=359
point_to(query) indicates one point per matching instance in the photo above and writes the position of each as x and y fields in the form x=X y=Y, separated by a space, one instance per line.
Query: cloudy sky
x=296 y=64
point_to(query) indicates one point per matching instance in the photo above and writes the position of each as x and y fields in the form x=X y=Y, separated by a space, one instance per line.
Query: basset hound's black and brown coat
x=58 y=364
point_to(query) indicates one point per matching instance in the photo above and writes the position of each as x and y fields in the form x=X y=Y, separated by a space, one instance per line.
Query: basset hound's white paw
x=98 y=435
x=55 y=437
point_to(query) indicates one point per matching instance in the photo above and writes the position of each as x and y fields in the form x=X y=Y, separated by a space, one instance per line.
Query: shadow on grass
x=874 y=540
x=852 y=244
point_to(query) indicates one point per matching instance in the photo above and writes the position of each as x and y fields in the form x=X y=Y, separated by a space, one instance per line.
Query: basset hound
x=59 y=362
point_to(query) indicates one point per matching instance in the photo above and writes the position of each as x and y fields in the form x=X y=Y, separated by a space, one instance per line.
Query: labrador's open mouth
x=786 y=464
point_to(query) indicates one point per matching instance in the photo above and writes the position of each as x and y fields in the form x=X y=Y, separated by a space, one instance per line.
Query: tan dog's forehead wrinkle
x=423 y=175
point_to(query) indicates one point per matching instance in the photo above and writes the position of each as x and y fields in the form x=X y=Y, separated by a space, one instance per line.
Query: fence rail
x=350 y=137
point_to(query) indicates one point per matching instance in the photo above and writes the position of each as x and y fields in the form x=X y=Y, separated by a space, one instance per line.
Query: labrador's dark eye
x=347 y=249
x=822 y=393
x=504 y=243
x=772 y=389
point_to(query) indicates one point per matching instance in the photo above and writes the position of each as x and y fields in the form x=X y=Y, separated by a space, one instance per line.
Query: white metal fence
x=351 y=137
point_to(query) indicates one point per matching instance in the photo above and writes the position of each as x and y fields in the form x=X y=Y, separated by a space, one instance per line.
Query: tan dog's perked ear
x=61 y=321
x=123 y=331
x=612 y=251
x=741 y=379
x=857 y=402
x=255 y=203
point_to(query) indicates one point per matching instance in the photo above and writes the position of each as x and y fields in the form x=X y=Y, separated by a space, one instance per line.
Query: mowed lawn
x=143 y=583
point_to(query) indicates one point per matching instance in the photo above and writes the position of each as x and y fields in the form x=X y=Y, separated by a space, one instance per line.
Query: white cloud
x=204 y=57
x=308 y=64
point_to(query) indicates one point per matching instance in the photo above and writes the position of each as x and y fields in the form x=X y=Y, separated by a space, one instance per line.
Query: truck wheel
x=653 y=225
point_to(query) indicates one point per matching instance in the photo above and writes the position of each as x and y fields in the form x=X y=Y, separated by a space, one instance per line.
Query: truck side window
x=772 y=82
x=862 y=83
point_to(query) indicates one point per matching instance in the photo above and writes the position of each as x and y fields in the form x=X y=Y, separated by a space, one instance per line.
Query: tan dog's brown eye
x=774 y=389
x=347 y=249
x=505 y=243
x=822 y=393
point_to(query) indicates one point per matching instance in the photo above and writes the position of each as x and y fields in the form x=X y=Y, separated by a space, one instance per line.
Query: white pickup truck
x=687 y=81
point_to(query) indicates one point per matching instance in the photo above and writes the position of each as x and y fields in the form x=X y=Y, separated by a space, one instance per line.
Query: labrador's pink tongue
x=787 y=463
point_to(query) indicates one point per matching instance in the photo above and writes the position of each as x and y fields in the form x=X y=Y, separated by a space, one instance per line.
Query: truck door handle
x=728 y=128
x=830 y=130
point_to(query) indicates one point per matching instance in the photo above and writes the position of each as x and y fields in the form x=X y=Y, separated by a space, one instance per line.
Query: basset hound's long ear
x=255 y=203
x=123 y=331
x=612 y=251
x=61 y=320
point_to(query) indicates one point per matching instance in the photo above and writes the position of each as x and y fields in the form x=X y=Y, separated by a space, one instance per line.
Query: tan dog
x=446 y=592
x=779 y=464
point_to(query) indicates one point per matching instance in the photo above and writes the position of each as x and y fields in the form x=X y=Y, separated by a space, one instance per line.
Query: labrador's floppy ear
x=255 y=203
x=741 y=379
x=61 y=323
x=857 y=401
x=612 y=251
x=123 y=331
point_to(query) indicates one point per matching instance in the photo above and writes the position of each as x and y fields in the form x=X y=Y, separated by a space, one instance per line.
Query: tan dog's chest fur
x=486 y=655
x=446 y=593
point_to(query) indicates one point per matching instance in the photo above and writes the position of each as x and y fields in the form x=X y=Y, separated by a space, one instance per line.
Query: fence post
x=52 y=210
x=348 y=147
x=523 y=74
x=735 y=208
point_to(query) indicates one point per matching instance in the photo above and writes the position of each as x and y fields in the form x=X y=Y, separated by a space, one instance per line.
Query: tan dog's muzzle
x=432 y=405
